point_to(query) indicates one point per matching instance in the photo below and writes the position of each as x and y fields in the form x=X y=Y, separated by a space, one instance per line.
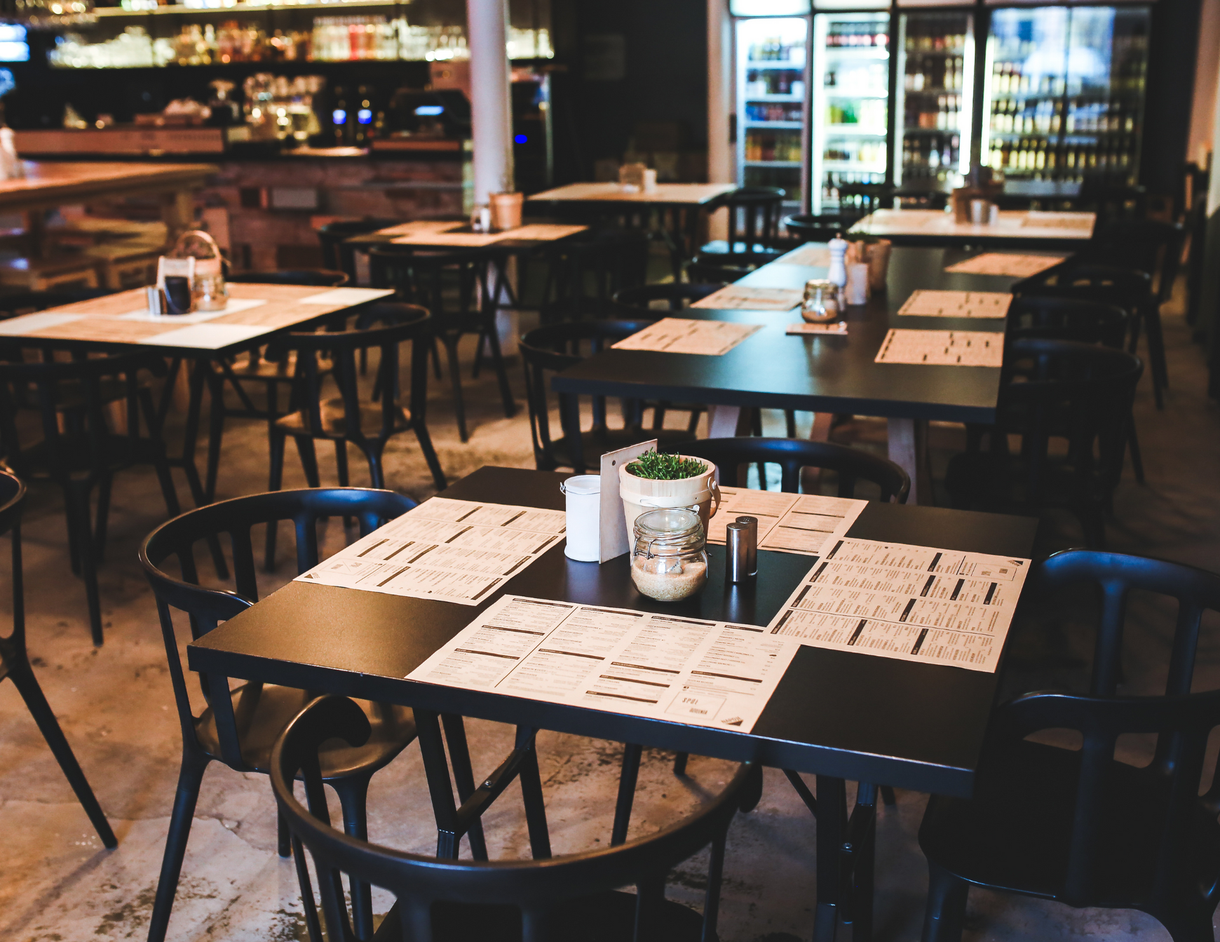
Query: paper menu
x=915 y=603
x=942 y=347
x=1001 y=263
x=690 y=670
x=420 y=227
x=811 y=256
x=740 y=297
x=686 y=335
x=957 y=303
x=449 y=550
x=787 y=523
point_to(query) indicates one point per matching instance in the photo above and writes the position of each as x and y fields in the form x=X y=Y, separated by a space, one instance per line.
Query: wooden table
x=932 y=227
x=842 y=716
x=121 y=322
x=50 y=184
x=821 y=374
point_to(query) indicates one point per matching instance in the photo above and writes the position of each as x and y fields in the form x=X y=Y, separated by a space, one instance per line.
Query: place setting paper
x=686 y=335
x=942 y=347
x=927 y=303
x=787 y=523
x=689 y=670
x=914 y=603
x=1002 y=263
x=451 y=550
x=743 y=298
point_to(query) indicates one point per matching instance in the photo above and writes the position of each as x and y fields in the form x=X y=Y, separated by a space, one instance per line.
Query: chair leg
x=274 y=483
x=455 y=377
x=168 y=492
x=626 y=793
x=680 y=763
x=463 y=777
x=102 y=517
x=27 y=685
x=341 y=461
x=946 y=910
x=887 y=795
x=189 y=779
x=434 y=465
x=78 y=504
x=283 y=836
x=497 y=359
x=309 y=459
x=353 y=797
x=1156 y=353
x=1133 y=445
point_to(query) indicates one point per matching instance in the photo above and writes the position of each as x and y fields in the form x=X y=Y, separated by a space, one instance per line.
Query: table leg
x=831 y=859
x=908 y=446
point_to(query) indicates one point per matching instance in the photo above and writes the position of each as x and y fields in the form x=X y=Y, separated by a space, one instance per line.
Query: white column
x=719 y=103
x=491 y=112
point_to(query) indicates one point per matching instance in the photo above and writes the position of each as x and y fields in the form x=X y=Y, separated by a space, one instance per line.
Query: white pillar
x=490 y=106
x=719 y=103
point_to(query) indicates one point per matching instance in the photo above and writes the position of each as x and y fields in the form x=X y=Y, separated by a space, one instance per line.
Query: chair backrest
x=707 y=267
x=206 y=606
x=550 y=349
x=792 y=454
x=1077 y=392
x=754 y=215
x=1145 y=245
x=1058 y=318
x=1108 y=284
x=332 y=235
x=860 y=199
x=674 y=295
x=1111 y=203
x=453 y=285
x=85 y=444
x=12 y=503
x=586 y=270
x=537 y=889
x=319 y=277
x=384 y=327
x=1167 y=816
x=818 y=227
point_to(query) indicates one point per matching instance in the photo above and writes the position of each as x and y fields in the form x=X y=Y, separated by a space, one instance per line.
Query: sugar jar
x=669 y=561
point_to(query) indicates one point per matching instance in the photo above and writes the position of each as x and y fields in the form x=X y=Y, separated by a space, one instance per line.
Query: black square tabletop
x=839 y=714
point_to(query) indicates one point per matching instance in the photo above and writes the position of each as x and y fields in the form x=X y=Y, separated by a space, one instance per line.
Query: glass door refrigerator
x=850 y=87
x=933 y=97
x=772 y=77
x=1063 y=97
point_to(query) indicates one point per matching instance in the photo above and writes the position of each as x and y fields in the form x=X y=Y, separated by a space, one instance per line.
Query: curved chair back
x=723 y=267
x=1107 y=284
x=860 y=199
x=207 y=607
x=311 y=277
x=818 y=227
x=537 y=888
x=634 y=302
x=793 y=454
x=1151 y=246
x=585 y=271
x=1057 y=318
x=331 y=236
x=754 y=216
x=1081 y=393
x=550 y=349
x=1161 y=821
x=12 y=503
x=453 y=285
x=384 y=327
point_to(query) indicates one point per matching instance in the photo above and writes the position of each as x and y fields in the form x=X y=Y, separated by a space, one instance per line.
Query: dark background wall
x=1172 y=50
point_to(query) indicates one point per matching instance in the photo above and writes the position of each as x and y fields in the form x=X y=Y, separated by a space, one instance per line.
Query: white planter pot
x=640 y=495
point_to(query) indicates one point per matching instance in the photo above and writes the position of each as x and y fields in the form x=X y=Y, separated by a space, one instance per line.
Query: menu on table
x=927 y=303
x=470 y=240
x=543 y=231
x=811 y=256
x=690 y=670
x=942 y=347
x=686 y=335
x=451 y=550
x=787 y=523
x=1002 y=263
x=915 y=603
x=742 y=298
x=420 y=227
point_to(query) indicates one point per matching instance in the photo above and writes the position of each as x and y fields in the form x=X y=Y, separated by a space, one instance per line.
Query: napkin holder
x=615 y=540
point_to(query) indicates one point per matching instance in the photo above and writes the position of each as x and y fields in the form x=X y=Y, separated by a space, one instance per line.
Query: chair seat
x=1017 y=830
x=605 y=917
x=334 y=420
x=763 y=253
x=263 y=711
x=260 y=369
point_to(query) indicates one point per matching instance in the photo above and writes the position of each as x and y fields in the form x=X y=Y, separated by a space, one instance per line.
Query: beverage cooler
x=1063 y=98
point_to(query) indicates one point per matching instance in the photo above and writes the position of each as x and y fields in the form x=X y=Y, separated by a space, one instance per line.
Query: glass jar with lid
x=669 y=561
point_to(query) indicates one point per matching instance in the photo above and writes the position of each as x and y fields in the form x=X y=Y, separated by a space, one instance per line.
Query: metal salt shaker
x=751 y=524
x=741 y=541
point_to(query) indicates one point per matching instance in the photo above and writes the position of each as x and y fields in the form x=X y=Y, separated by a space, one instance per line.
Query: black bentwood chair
x=555 y=347
x=314 y=416
x=546 y=899
x=15 y=666
x=332 y=237
x=753 y=224
x=1087 y=826
x=78 y=451
x=238 y=727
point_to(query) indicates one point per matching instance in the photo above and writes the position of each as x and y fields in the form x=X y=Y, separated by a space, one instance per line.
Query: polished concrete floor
x=115 y=703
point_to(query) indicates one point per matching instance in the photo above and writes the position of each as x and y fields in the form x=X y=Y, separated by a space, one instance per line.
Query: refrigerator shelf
x=776 y=125
x=773 y=64
x=857 y=95
x=850 y=130
x=851 y=165
x=772 y=163
x=862 y=52
x=762 y=98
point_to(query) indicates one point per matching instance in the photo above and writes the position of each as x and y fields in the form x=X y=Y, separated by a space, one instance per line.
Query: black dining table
x=840 y=716
x=822 y=373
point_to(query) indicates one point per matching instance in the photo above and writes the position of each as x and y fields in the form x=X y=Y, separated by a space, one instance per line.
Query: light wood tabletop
x=1015 y=227
x=52 y=183
x=253 y=312
x=694 y=194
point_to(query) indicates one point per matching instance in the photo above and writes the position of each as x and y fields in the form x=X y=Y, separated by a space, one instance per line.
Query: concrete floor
x=116 y=706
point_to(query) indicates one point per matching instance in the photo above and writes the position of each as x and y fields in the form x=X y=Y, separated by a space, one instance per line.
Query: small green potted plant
x=656 y=481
